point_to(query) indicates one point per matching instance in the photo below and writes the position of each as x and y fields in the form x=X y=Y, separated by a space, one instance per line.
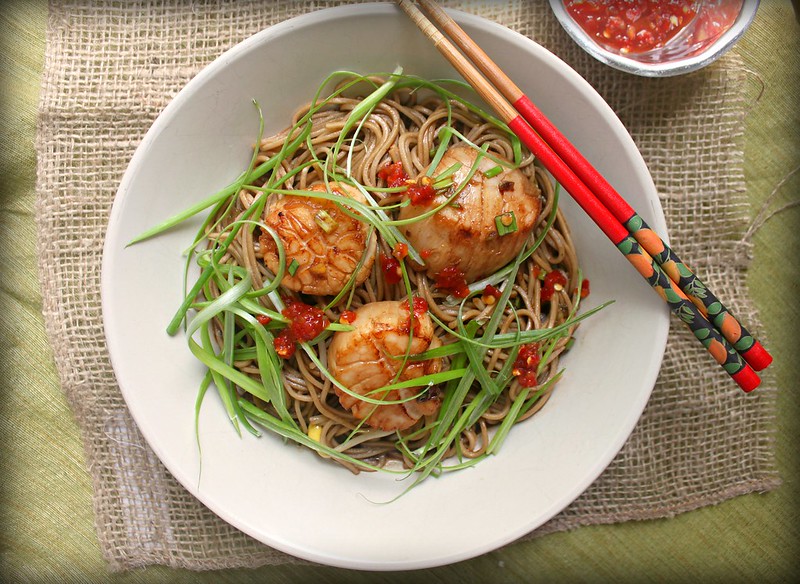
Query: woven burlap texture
x=110 y=68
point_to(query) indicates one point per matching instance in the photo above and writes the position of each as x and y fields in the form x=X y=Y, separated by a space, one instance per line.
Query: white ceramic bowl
x=288 y=497
x=669 y=60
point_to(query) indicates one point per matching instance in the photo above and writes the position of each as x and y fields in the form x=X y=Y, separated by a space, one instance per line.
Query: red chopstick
x=720 y=348
x=752 y=351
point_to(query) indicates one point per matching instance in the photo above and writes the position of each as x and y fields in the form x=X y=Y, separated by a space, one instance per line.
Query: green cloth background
x=46 y=519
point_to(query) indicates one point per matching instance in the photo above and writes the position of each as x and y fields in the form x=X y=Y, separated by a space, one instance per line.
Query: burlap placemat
x=110 y=68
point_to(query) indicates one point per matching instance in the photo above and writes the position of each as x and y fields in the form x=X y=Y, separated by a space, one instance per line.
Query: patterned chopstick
x=733 y=331
x=719 y=347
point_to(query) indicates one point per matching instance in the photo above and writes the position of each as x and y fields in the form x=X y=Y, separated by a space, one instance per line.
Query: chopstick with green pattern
x=725 y=338
x=711 y=307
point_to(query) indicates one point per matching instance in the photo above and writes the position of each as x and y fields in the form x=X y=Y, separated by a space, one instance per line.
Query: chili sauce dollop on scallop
x=371 y=356
x=323 y=244
x=484 y=227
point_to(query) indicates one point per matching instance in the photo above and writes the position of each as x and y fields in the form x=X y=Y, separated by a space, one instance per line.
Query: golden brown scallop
x=464 y=234
x=364 y=360
x=326 y=243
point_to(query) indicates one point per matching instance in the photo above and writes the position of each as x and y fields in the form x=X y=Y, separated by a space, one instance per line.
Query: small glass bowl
x=681 y=54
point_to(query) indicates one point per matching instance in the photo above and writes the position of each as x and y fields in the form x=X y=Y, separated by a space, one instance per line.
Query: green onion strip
x=239 y=306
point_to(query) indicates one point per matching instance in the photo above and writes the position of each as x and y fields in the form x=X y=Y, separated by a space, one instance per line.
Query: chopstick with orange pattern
x=571 y=170
x=752 y=351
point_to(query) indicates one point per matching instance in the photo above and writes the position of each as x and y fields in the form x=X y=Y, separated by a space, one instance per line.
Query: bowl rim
x=667 y=69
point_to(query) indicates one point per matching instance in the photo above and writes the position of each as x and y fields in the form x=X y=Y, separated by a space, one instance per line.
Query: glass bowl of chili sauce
x=655 y=38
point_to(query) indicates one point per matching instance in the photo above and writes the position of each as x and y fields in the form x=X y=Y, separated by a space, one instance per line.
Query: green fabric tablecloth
x=46 y=518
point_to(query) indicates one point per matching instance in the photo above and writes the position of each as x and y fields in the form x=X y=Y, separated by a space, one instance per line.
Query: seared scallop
x=323 y=244
x=371 y=356
x=466 y=234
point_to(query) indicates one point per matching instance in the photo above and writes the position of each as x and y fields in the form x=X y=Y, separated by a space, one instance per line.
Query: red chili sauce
x=490 y=292
x=638 y=26
x=420 y=308
x=391 y=269
x=452 y=280
x=393 y=174
x=305 y=323
x=422 y=192
x=347 y=317
x=400 y=250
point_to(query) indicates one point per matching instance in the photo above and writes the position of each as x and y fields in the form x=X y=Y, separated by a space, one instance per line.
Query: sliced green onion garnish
x=493 y=172
x=292 y=269
x=325 y=221
x=448 y=172
x=445 y=132
x=506 y=223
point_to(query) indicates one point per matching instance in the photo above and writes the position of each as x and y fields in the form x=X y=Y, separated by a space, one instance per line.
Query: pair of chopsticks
x=713 y=325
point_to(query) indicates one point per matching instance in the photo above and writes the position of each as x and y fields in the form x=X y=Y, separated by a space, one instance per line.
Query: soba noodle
x=404 y=126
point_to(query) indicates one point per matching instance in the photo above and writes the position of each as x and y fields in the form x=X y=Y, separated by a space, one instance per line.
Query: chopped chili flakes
x=526 y=364
x=584 y=288
x=422 y=191
x=490 y=294
x=305 y=323
x=554 y=281
x=263 y=319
